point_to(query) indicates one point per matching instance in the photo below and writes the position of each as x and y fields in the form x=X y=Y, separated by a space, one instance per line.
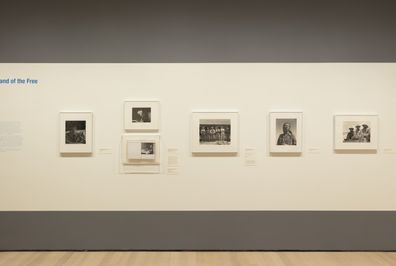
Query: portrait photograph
x=215 y=132
x=355 y=132
x=76 y=132
x=141 y=115
x=286 y=132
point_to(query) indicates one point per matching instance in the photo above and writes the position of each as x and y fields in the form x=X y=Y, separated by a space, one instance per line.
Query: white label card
x=314 y=150
x=250 y=157
x=173 y=161
x=10 y=136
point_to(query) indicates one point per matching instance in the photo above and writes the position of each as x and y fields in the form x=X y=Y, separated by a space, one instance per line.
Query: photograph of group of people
x=359 y=132
x=215 y=132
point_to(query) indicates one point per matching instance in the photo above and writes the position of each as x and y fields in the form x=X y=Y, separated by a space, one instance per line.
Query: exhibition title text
x=21 y=81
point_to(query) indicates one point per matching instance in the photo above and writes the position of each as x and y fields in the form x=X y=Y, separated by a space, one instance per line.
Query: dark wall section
x=202 y=230
x=198 y=31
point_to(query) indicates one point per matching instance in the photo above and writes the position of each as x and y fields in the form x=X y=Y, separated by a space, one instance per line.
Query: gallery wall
x=43 y=196
x=36 y=177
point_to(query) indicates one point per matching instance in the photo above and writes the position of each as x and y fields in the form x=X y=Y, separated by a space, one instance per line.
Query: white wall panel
x=37 y=178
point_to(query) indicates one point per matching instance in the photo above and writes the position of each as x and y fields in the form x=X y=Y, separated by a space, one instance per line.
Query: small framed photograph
x=356 y=132
x=141 y=115
x=215 y=132
x=286 y=132
x=76 y=132
x=141 y=149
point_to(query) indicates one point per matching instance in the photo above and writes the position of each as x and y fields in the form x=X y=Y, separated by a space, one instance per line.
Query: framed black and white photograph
x=286 y=132
x=215 y=132
x=355 y=132
x=75 y=132
x=141 y=115
x=140 y=153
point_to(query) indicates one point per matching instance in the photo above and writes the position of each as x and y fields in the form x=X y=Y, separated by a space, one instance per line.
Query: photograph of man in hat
x=350 y=134
x=358 y=134
x=287 y=137
x=366 y=133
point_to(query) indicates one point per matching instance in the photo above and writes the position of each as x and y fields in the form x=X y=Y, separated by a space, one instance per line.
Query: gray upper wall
x=197 y=31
